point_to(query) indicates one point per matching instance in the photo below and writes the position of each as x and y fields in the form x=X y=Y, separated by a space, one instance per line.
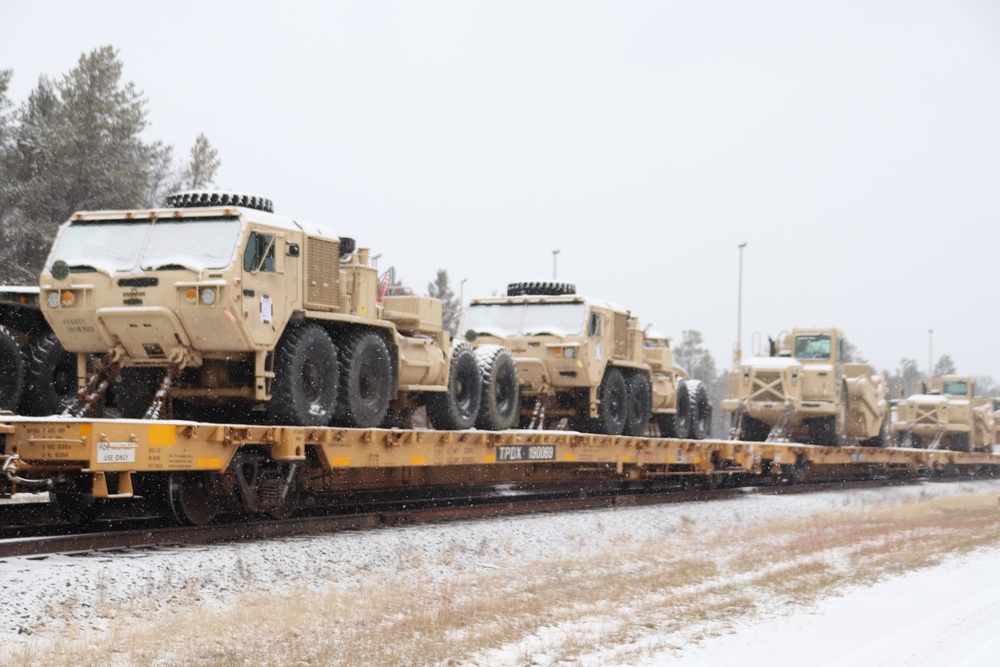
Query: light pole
x=930 y=352
x=554 y=254
x=739 y=311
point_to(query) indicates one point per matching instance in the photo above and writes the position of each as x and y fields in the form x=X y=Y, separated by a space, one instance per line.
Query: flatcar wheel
x=190 y=498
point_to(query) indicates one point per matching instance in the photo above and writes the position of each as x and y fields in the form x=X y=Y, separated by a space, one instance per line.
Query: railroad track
x=146 y=533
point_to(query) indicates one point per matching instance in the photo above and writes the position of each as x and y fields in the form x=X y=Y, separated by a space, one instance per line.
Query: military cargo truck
x=946 y=415
x=225 y=309
x=805 y=392
x=587 y=362
x=37 y=376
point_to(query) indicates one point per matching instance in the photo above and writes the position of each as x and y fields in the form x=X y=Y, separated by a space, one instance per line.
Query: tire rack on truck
x=203 y=469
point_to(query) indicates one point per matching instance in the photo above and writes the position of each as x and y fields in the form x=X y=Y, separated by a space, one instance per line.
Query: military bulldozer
x=805 y=391
x=219 y=308
x=37 y=376
x=946 y=415
x=584 y=364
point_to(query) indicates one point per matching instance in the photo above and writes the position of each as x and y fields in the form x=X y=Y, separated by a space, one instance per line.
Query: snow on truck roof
x=247 y=214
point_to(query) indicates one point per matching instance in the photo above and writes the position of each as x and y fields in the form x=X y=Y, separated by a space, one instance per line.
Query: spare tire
x=501 y=401
x=11 y=370
x=540 y=289
x=457 y=407
x=51 y=379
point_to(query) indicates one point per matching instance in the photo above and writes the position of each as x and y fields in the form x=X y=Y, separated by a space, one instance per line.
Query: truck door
x=267 y=290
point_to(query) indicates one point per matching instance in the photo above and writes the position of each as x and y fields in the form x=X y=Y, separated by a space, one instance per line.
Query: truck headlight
x=208 y=296
x=52 y=299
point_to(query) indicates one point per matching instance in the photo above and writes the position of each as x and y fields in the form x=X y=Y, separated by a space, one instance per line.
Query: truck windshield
x=193 y=244
x=101 y=245
x=125 y=245
x=956 y=388
x=812 y=346
x=506 y=320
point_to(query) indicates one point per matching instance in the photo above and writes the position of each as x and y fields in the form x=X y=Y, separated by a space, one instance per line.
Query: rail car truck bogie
x=807 y=392
x=587 y=362
x=223 y=308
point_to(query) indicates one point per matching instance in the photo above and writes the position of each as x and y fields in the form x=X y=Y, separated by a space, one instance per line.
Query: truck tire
x=500 y=405
x=365 y=380
x=457 y=408
x=540 y=289
x=666 y=424
x=700 y=410
x=613 y=406
x=753 y=430
x=306 y=378
x=682 y=418
x=51 y=380
x=11 y=370
x=639 y=404
x=823 y=431
x=135 y=390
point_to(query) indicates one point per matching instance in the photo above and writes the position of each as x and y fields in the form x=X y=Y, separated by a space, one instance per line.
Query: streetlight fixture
x=739 y=311
x=554 y=254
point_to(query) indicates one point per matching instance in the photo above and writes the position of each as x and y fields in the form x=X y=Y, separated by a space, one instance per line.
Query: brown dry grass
x=637 y=596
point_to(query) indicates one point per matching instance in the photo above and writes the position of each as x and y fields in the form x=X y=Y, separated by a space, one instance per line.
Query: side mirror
x=293 y=249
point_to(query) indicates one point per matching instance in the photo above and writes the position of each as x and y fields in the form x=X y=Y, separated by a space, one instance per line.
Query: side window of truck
x=259 y=253
x=594 y=327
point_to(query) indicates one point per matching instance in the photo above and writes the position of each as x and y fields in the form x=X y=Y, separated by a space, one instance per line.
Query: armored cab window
x=956 y=388
x=812 y=346
x=259 y=254
x=594 y=328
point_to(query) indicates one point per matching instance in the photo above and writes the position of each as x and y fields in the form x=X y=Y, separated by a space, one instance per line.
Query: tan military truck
x=946 y=415
x=37 y=376
x=229 y=310
x=805 y=392
x=586 y=361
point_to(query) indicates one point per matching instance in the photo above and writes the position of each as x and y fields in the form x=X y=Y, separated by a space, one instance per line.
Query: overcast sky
x=854 y=146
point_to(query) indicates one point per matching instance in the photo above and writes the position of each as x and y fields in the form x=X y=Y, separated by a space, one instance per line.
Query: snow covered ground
x=945 y=615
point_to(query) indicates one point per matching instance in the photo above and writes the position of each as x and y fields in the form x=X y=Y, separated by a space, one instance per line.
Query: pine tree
x=75 y=145
x=451 y=309
x=944 y=366
x=200 y=171
x=905 y=380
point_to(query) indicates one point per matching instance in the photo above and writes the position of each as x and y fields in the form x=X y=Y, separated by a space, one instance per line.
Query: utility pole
x=930 y=352
x=739 y=311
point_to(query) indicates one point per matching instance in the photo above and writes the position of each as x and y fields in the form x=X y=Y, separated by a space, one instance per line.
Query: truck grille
x=767 y=387
x=322 y=274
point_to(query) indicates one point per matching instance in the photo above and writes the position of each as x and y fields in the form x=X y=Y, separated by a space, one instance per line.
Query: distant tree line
x=76 y=144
